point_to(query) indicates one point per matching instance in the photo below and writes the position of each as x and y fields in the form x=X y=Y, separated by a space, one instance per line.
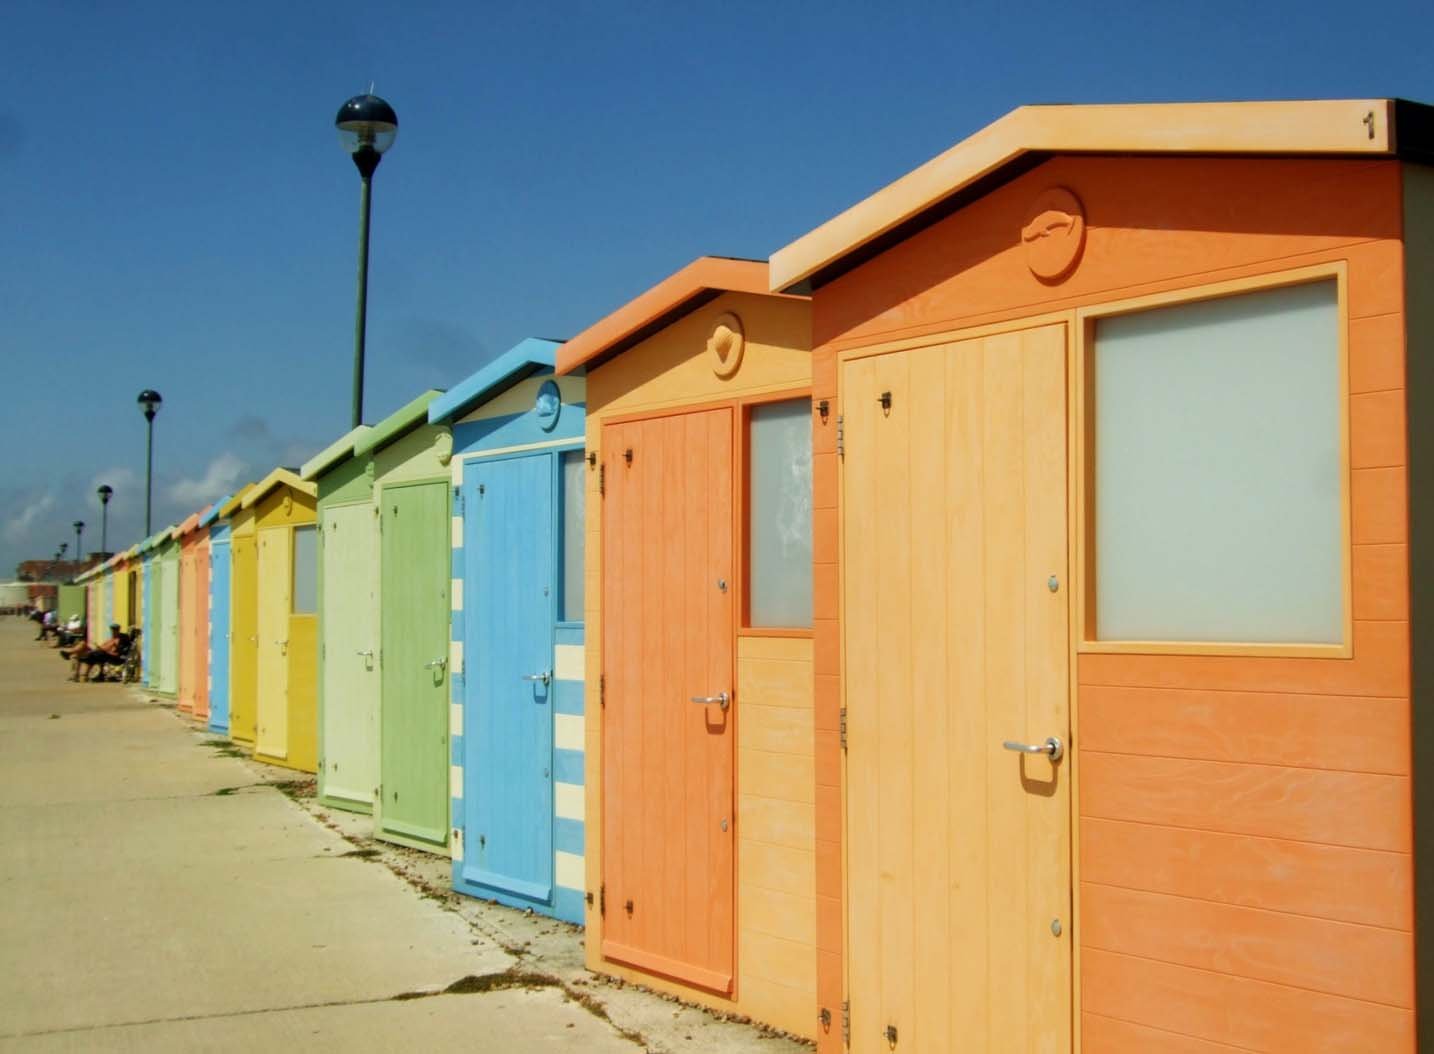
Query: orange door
x=186 y=634
x=667 y=638
x=199 y=626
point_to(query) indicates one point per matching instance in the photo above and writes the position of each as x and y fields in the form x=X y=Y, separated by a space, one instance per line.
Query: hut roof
x=397 y=424
x=1024 y=137
x=337 y=452
x=279 y=477
x=523 y=360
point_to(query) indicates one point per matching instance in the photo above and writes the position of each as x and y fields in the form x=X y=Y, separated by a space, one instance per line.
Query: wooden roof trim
x=1343 y=127
x=704 y=279
x=337 y=452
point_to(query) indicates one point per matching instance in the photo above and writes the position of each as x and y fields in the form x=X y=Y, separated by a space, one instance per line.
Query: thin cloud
x=219 y=479
x=19 y=526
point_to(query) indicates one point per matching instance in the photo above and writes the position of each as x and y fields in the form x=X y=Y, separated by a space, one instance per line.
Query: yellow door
x=243 y=638
x=275 y=586
x=955 y=644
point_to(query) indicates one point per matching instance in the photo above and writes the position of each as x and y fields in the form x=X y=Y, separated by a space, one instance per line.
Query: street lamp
x=104 y=492
x=367 y=127
x=149 y=401
x=79 y=526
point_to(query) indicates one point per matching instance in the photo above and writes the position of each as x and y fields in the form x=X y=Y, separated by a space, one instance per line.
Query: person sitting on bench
x=110 y=652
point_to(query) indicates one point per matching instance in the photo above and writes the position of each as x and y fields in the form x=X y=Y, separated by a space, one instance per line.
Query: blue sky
x=176 y=211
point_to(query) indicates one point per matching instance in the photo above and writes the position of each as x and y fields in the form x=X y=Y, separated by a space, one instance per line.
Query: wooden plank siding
x=1245 y=877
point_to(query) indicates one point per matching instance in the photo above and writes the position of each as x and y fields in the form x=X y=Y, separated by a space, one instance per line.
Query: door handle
x=365 y=654
x=543 y=677
x=722 y=699
x=1053 y=748
x=436 y=664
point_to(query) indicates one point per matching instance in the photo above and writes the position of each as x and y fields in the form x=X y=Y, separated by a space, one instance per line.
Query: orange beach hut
x=700 y=846
x=1126 y=633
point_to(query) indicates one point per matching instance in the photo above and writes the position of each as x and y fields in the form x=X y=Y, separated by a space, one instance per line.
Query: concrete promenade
x=158 y=894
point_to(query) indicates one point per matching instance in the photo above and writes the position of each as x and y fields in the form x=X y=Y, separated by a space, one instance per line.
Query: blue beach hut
x=517 y=734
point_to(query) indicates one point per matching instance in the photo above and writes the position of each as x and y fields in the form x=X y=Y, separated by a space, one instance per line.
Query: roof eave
x=333 y=455
x=676 y=296
x=516 y=364
x=396 y=425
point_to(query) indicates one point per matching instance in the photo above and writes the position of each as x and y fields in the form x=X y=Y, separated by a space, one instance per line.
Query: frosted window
x=1218 y=470
x=780 y=539
x=574 y=501
x=306 y=571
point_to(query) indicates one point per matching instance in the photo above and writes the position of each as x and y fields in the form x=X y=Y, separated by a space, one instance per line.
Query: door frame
x=387 y=834
x=1075 y=573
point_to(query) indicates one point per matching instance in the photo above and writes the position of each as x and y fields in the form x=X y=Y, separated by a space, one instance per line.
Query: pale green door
x=348 y=627
x=169 y=615
x=416 y=561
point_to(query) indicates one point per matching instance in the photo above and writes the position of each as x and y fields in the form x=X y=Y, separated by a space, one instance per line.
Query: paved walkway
x=145 y=907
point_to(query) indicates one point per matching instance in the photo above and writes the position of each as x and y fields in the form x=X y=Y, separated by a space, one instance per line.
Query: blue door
x=219 y=635
x=508 y=688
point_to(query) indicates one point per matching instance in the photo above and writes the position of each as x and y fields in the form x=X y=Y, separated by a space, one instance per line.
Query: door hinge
x=843 y=728
x=602 y=899
x=462 y=504
x=602 y=689
x=602 y=480
x=841 y=435
x=846 y=1022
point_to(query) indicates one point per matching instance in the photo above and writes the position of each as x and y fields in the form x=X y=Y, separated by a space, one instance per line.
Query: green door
x=415 y=557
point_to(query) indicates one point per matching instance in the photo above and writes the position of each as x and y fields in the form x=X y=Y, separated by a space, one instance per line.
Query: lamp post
x=367 y=127
x=149 y=401
x=79 y=526
x=104 y=492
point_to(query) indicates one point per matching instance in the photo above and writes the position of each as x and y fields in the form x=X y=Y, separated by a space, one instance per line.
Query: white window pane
x=306 y=571
x=574 y=499
x=780 y=591
x=1218 y=471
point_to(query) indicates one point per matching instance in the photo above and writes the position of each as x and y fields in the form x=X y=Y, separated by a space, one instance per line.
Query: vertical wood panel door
x=509 y=605
x=955 y=642
x=220 y=637
x=187 y=614
x=244 y=638
x=169 y=673
x=348 y=626
x=668 y=637
x=200 y=627
x=417 y=557
x=275 y=588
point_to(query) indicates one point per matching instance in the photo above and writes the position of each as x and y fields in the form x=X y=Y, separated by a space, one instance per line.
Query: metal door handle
x=544 y=677
x=436 y=664
x=364 y=654
x=721 y=699
x=1053 y=748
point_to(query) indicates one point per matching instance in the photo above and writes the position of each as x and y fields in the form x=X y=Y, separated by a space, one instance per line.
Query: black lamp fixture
x=367 y=128
x=149 y=402
x=79 y=526
x=105 y=491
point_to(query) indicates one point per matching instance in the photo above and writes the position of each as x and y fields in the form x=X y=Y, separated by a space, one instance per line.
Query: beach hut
x=1131 y=515
x=700 y=842
x=189 y=656
x=519 y=484
x=348 y=623
x=412 y=498
x=198 y=625
x=243 y=617
x=220 y=615
x=286 y=624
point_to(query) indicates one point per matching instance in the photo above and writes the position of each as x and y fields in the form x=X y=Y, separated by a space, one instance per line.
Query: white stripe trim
x=455 y=781
x=455 y=719
x=455 y=593
x=568 y=870
x=455 y=844
x=458 y=532
x=568 y=662
x=575 y=442
x=455 y=656
x=568 y=731
x=569 y=802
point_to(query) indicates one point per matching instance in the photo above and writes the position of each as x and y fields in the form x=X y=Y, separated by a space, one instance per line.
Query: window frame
x=1083 y=432
x=294 y=530
x=560 y=576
